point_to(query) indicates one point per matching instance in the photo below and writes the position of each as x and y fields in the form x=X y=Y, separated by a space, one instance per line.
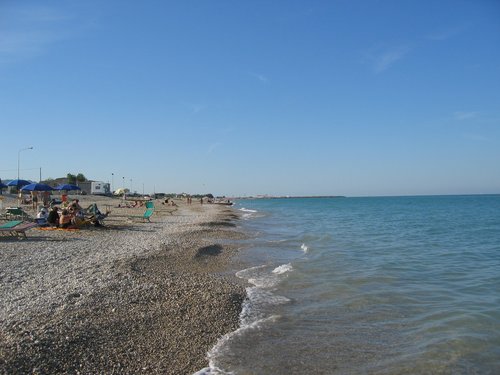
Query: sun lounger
x=10 y=224
x=150 y=208
x=18 y=230
x=17 y=213
x=94 y=216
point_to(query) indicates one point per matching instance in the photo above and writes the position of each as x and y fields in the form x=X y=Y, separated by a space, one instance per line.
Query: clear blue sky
x=254 y=97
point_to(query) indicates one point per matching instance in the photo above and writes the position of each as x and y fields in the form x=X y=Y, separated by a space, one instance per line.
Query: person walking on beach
x=34 y=199
x=46 y=198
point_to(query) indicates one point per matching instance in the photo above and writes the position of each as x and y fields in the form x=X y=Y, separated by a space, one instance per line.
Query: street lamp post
x=130 y=186
x=19 y=158
x=112 y=181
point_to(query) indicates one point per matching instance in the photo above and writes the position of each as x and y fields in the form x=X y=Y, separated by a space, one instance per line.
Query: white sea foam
x=248 y=213
x=252 y=317
x=304 y=248
x=255 y=312
x=224 y=342
x=247 y=210
x=277 y=241
x=264 y=281
x=283 y=269
x=248 y=272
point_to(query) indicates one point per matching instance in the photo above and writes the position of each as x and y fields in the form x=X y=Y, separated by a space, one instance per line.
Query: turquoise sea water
x=391 y=285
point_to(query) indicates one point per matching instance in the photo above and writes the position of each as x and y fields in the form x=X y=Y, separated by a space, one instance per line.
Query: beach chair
x=17 y=228
x=10 y=224
x=17 y=213
x=150 y=208
x=94 y=216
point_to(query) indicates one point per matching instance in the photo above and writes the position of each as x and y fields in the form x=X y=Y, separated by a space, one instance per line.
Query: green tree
x=80 y=177
x=71 y=178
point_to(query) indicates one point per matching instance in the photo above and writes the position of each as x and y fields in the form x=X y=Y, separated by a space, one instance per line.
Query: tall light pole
x=112 y=181
x=123 y=182
x=130 y=186
x=19 y=158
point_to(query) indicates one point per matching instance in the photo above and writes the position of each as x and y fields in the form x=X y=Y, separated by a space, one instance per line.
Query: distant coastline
x=360 y=196
x=291 y=197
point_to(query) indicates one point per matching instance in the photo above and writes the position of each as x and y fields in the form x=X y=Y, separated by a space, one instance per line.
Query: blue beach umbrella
x=2 y=186
x=37 y=187
x=18 y=183
x=67 y=187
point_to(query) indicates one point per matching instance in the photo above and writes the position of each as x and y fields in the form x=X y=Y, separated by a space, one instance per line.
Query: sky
x=239 y=98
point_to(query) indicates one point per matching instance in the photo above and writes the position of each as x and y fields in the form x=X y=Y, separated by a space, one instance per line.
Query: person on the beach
x=75 y=205
x=46 y=198
x=53 y=217
x=42 y=214
x=78 y=218
x=34 y=199
x=41 y=217
x=65 y=219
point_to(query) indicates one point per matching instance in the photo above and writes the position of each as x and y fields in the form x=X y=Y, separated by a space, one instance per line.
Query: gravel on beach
x=128 y=298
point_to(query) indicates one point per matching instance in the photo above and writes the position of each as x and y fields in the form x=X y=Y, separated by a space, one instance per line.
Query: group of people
x=69 y=215
x=169 y=202
x=34 y=198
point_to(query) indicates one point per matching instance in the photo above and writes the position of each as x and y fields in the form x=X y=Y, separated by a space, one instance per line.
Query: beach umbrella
x=18 y=183
x=37 y=187
x=2 y=186
x=67 y=187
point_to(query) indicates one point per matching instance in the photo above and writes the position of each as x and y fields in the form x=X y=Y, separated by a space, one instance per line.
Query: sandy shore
x=128 y=298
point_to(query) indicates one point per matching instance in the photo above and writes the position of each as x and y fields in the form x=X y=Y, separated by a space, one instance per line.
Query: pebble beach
x=130 y=297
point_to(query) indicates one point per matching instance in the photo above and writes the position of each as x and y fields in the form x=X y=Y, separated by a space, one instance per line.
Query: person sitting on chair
x=78 y=218
x=75 y=205
x=65 y=219
x=41 y=216
x=53 y=217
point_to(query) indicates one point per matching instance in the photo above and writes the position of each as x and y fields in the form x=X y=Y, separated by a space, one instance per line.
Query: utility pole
x=19 y=158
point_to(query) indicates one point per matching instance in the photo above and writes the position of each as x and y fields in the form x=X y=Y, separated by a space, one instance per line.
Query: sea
x=369 y=285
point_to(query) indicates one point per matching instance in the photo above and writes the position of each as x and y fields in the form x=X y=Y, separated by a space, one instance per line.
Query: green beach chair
x=10 y=224
x=150 y=208
x=17 y=213
x=17 y=228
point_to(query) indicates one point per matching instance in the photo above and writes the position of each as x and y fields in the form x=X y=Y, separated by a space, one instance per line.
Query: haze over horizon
x=353 y=98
